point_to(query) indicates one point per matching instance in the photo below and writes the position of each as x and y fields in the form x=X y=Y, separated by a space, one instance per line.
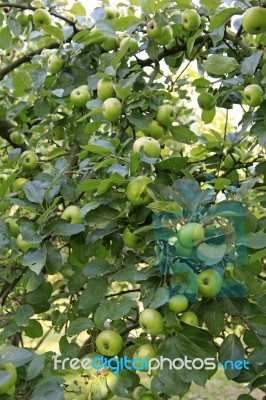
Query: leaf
x=249 y=64
x=257 y=324
x=34 y=329
x=233 y=350
x=89 y=185
x=139 y=120
x=35 y=260
x=161 y=297
x=23 y=313
x=97 y=267
x=79 y=325
x=15 y=355
x=93 y=294
x=254 y=240
x=34 y=192
x=218 y=64
x=123 y=23
x=223 y=17
x=61 y=227
x=213 y=315
x=5 y=38
x=35 y=367
x=211 y=254
x=183 y=134
x=54 y=31
x=173 y=164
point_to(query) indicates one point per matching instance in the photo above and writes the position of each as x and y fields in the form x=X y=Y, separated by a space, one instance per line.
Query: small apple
x=25 y=246
x=13 y=226
x=150 y=146
x=109 y=343
x=41 y=17
x=28 y=161
x=80 y=96
x=191 y=20
x=178 y=303
x=104 y=89
x=9 y=382
x=23 y=19
x=151 y=321
x=137 y=192
x=17 y=138
x=55 y=64
x=191 y=234
x=209 y=282
x=133 y=45
x=144 y=352
x=58 y=132
x=166 y=114
x=146 y=396
x=112 y=109
x=18 y=184
x=254 y=20
x=109 y=44
x=206 y=101
x=183 y=251
x=155 y=130
x=166 y=36
x=111 y=13
x=253 y=95
x=190 y=318
x=154 y=30
x=72 y=214
x=131 y=240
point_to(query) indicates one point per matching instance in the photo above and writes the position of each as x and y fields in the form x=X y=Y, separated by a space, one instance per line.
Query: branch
x=9 y=287
x=237 y=40
x=5 y=128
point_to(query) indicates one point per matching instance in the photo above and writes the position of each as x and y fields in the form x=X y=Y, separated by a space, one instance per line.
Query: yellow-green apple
x=253 y=95
x=166 y=36
x=72 y=214
x=17 y=138
x=133 y=45
x=178 y=303
x=109 y=343
x=206 y=101
x=254 y=20
x=155 y=130
x=151 y=321
x=137 y=190
x=131 y=240
x=143 y=353
x=189 y=317
x=104 y=89
x=183 y=251
x=191 y=234
x=80 y=96
x=209 y=282
x=28 y=161
x=154 y=30
x=41 y=17
x=191 y=20
x=25 y=246
x=166 y=114
x=112 y=109
x=11 y=378
x=55 y=64
x=150 y=146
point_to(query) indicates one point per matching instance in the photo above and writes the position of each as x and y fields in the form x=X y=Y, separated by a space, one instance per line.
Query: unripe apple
x=112 y=109
x=209 y=282
x=206 y=101
x=137 y=190
x=183 y=251
x=13 y=226
x=55 y=64
x=191 y=234
x=178 y=303
x=9 y=382
x=41 y=17
x=104 y=89
x=166 y=114
x=111 y=13
x=28 y=161
x=131 y=240
x=166 y=36
x=254 y=20
x=23 y=19
x=109 y=343
x=253 y=95
x=109 y=44
x=25 y=246
x=17 y=138
x=80 y=96
x=18 y=184
x=155 y=130
x=154 y=30
x=190 y=318
x=191 y=20
x=151 y=321
x=133 y=45
x=72 y=214
x=144 y=352
x=150 y=146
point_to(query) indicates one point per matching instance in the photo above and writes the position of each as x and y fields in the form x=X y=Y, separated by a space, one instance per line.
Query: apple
x=253 y=95
x=112 y=109
x=59 y=132
x=146 y=396
x=191 y=20
x=151 y=321
x=146 y=350
x=131 y=240
x=166 y=36
x=55 y=64
x=166 y=114
x=104 y=89
x=72 y=214
x=150 y=146
x=206 y=101
x=191 y=234
x=254 y=20
x=109 y=343
x=137 y=192
x=28 y=161
x=18 y=184
x=209 y=282
x=10 y=381
x=41 y=17
x=23 y=20
x=155 y=130
x=80 y=96
x=178 y=303
x=111 y=13
x=109 y=44
x=183 y=251
x=154 y=30
x=133 y=45
x=190 y=318
x=25 y=246
x=17 y=138
x=13 y=226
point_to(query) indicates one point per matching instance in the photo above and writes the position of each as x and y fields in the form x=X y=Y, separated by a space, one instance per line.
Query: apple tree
x=132 y=197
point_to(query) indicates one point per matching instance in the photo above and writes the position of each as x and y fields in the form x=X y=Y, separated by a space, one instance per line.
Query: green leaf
x=249 y=64
x=161 y=297
x=34 y=192
x=254 y=240
x=6 y=185
x=211 y=254
x=257 y=323
x=93 y=294
x=218 y=64
x=208 y=116
x=23 y=313
x=63 y=228
x=231 y=349
x=89 y=185
x=78 y=9
x=139 y=120
x=213 y=315
x=21 y=82
x=40 y=295
x=97 y=267
x=183 y=134
x=34 y=329
x=35 y=260
x=173 y=164
x=15 y=355
x=5 y=38
x=54 y=31
x=223 y=17
x=35 y=367
x=123 y=23
x=120 y=384
x=79 y=325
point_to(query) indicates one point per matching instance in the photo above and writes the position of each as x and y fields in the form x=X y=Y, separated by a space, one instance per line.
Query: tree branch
x=237 y=40
x=9 y=287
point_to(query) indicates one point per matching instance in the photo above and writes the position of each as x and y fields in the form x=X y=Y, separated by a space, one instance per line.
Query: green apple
x=112 y=109
x=23 y=19
x=191 y=234
x=206 y=101
x=150 y=146
x=25 y=246
x=13 y=226
x=109 y=44
x=254 y=20
x=80 y=96
x=72 y=214
x=191 y=20
x=17 y=138
x=154 y=30
x=133 y=45
x=166 y=114
x=109 y=343
x=209 y=282
x=111 y=13
x=11 y=379
x=18 y=184
x=183 y=251
x=146 y=396
x=151 y=321
x=104 y=89
x=28 y=161
x=137 y=190
x=146 y=350
x=253 y=95
x=55 y=64
x=190 y=318
x=41 y=17
x=178 y=303
x=131 y=240
x=155 y=130
x=166 y=36
x=59 y=132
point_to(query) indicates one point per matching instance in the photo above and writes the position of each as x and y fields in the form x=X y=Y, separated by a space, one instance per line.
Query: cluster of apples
x=8 y=381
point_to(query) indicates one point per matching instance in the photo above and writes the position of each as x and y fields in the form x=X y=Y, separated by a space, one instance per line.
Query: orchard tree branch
x=239 y=42
x=7 y=288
